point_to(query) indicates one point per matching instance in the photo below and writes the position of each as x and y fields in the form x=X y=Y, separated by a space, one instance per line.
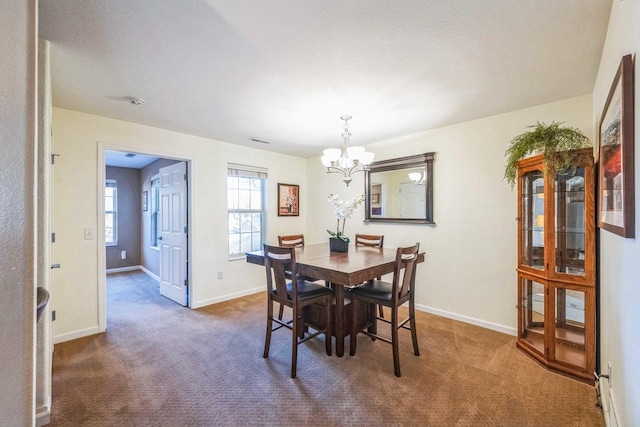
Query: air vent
x=135 y=101
x=262 y=141
x=130 y=155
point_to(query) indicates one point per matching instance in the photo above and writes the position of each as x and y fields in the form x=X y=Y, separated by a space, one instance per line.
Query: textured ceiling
x=286 y=70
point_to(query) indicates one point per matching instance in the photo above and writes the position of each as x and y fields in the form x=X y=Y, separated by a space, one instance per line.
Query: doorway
x=133 y=229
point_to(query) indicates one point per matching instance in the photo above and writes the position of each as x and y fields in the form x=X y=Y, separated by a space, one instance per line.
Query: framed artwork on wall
x=288 y=200
x=616 y=202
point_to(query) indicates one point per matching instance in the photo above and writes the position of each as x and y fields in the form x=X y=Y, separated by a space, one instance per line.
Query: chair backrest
x=277 y=260
x=293 y=240
x=372 y=240
x=406 y=262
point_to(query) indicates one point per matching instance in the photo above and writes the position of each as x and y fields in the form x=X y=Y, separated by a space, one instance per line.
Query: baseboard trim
x=121 y=269
x=466 y=319
x=206 y=302
x=80 y=333
x=43 y=416
x=603 y=402
x=149 y=273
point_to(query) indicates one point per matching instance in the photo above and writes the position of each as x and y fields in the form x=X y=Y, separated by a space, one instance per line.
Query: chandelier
x=347 y=160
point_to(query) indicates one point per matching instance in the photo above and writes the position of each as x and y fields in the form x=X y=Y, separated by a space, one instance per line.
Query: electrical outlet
x=123 y=254
x=219 y=274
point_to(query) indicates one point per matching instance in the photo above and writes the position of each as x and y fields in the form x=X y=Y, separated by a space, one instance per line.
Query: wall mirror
x=400 y=190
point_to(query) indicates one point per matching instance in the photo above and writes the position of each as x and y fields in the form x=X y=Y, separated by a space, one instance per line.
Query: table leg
x=339 y=318
x=373 y=317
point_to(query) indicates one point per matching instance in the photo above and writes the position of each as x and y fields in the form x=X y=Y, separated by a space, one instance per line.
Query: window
x=155 y=210
x=111 y=212
x=245 y=204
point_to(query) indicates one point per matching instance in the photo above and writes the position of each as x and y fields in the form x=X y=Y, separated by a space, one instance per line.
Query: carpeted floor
x=160 y=364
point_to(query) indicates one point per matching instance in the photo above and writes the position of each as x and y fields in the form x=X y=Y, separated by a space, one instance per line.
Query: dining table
x=342 y=270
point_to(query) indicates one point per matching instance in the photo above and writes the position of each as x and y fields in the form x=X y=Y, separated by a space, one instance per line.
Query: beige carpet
x=160 y=364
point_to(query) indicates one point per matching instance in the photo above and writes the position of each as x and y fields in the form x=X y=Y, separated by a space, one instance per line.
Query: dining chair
x=296 y=294
x=392 y=295
x=293 y=240
x=289 y=241
x=373 y=241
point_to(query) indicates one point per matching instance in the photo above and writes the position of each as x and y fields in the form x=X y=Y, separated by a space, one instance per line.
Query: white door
x=412 y=201
x=173 y=232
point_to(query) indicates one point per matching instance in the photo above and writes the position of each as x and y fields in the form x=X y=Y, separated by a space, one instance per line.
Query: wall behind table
x=471 y=252
x=77 y=137
x=619 y=257
x=128 y=215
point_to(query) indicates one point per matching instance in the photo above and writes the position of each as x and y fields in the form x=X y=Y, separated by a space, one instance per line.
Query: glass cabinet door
x=532 y=313
x=569 y=340
x=532 y=219
x=570 y=222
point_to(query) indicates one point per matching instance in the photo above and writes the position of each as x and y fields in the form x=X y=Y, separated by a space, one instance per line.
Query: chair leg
x=354 y=328
x=281 y=312
x=394 y=340
x=327 y=332
x=381 y=311
x=412 y=324
x=294 y=343
x=267 y=340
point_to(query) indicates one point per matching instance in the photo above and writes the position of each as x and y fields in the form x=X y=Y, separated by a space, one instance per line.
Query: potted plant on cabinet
x=557 y=143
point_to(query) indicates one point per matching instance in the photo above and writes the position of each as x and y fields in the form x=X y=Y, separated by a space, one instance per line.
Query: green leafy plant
x=558 y=144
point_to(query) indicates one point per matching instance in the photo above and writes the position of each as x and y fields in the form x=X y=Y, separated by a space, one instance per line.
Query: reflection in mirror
x=400 y=190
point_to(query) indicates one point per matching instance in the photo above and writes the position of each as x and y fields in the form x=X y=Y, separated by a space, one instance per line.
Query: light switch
x=89 y=234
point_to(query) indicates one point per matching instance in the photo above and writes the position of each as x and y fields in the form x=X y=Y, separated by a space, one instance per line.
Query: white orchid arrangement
x=343 y=210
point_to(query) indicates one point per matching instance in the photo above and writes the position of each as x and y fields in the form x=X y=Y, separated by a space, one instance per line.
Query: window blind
x=246 y=171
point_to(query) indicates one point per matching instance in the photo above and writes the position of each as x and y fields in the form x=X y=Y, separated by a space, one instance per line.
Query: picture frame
x=145 y=201
x=616 y=201
x=375 y=198
x=288 y=199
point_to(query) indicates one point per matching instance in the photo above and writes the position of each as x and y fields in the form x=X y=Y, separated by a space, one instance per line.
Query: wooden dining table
x=342 y=270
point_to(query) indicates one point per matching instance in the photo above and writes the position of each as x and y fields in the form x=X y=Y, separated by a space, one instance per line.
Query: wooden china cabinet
x=556 y=265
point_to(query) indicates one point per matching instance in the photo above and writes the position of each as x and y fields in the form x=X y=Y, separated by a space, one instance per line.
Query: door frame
x=100 y=237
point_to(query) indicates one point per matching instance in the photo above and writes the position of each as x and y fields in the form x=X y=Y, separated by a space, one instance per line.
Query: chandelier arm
x=335 y=169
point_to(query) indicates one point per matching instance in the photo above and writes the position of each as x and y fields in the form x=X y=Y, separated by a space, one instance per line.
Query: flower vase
x=338 y=245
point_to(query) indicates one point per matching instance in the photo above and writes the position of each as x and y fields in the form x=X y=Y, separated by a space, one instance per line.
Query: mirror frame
x=408 y=162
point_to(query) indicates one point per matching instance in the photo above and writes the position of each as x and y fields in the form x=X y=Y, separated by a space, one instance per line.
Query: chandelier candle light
x=349 y=160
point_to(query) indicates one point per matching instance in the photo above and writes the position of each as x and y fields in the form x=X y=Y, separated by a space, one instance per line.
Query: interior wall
x=619 y=257
x=44 y=345
x=149 y=256
x=128 y=217
x=77 y=137
x=17 y=221
x=471 y=252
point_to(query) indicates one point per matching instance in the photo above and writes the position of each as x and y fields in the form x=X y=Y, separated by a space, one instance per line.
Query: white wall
x=471 y=252
x=17 y=222
x=77 y=137
x=620 y=257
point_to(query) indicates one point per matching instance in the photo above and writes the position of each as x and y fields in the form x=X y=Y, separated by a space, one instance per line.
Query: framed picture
x=288 y=200
x=375 y=198
x=145 y=200
x=616 y=204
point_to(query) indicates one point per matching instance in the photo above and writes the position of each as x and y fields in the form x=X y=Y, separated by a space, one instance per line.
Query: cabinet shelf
x=556 y=274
